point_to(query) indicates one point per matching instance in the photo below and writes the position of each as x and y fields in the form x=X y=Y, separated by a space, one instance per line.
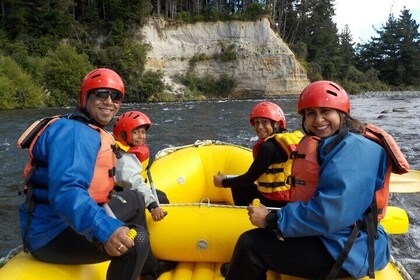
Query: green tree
x=388 y=44
x=40 y=24
x=408 y=37
x=345 y=52
x=316 y=29
x=49 y=17
x=151 y=85
x=395 y=52
x=62 y=72
x=324 y=43
x=128 y=58
x=17 y=90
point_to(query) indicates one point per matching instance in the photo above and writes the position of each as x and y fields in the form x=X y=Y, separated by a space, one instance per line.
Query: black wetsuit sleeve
x=269 y=153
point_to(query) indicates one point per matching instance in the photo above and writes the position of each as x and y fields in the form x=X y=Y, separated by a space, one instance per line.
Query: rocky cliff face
x=264 y=65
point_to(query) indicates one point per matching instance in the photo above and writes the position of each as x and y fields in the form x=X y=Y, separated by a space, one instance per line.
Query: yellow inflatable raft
x=202 y=225
x=25 y=267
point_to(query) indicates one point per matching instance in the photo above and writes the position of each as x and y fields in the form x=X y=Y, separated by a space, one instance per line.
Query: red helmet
x=100 y=78
x=324 y=94
x=270 y=111
x=127 y=122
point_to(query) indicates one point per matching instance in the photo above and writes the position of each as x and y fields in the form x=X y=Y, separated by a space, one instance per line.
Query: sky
x=361 y=15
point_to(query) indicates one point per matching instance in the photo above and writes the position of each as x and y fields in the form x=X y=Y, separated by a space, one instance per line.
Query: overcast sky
x=360 y=15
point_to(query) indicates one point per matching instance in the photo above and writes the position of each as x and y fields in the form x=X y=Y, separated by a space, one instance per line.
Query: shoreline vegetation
x=170 y=99
x=47 y=47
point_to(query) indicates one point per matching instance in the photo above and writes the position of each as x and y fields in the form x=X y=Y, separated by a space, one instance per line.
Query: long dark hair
x=354 y=125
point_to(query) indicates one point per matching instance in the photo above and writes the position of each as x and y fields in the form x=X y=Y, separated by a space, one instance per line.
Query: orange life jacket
x=103 y=177
x=397 y=163
x=305 y=170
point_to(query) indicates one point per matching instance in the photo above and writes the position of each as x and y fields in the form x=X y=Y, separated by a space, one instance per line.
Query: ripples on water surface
x=176 y=124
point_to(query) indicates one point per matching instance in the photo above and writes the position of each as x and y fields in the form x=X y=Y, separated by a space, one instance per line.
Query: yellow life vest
x=274 y=183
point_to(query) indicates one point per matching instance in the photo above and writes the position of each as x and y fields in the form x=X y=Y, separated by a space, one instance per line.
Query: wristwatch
x=271 y=223
x=152 y=206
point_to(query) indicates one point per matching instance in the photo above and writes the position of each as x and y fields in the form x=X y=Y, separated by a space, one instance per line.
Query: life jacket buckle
x=112 y=172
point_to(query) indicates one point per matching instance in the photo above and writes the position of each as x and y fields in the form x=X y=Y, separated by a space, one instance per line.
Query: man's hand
x=119 y=242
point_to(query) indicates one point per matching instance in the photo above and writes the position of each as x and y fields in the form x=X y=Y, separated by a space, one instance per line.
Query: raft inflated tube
x=198 y=233
x=187 y=174
x=206 y=233
x=395 y=221
x=25 y=266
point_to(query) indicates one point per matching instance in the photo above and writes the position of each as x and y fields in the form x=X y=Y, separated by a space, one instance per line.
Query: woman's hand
x=157 y=214
x=257 y=215
x=118 y=243
x=217 y=179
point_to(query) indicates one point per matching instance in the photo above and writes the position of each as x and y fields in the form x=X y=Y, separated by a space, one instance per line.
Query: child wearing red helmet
x=271 y=166
x=130 y=131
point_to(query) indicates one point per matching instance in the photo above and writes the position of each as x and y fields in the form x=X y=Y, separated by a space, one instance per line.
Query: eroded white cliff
x=264 y=65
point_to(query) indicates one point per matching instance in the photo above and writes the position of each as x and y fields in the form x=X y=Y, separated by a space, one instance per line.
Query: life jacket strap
x=116 y=151
x=291 y=180
x=349 y=243
x=112 y=172
x=340 y=136
x=23 y=189
x=271 y=185
x=295 y=155
x=372 y=230
x=274 y=170
x=371 y=226
x=30 y=204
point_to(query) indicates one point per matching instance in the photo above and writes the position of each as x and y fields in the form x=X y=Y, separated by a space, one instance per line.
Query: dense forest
x=48 y=46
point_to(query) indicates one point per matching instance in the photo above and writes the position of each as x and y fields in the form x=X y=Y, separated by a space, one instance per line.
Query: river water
x=176 y=124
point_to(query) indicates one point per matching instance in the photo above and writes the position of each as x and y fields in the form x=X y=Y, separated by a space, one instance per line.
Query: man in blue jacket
x=63 y=220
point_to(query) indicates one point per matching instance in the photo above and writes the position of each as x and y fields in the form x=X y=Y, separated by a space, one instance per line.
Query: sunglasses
x=103 y=94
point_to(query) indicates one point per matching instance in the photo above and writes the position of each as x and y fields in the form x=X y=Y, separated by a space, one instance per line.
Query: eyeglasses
x=103 y=94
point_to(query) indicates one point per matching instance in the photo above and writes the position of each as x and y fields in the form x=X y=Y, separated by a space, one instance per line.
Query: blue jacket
x=66 y=155
x=349 y=175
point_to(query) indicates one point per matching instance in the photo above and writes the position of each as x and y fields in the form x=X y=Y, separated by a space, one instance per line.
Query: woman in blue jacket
x=305 y=239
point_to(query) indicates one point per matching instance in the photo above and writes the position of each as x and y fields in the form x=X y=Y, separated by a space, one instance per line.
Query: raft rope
x=400 y=268
x=200 y=204
x=198 y=143
x=10 y=255
x=206 y=202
